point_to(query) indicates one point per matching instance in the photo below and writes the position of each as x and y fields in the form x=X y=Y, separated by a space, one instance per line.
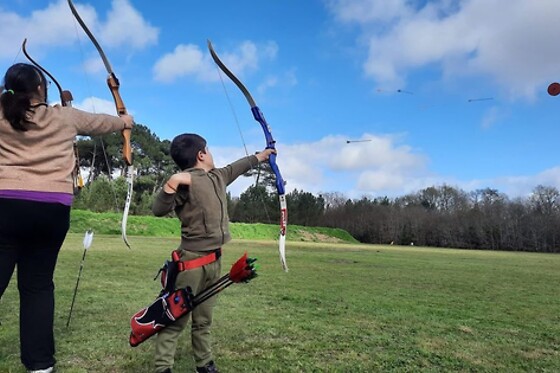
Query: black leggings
x=31 y=234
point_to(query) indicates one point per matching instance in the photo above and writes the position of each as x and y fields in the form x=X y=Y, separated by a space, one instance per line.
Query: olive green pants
x=166 y=341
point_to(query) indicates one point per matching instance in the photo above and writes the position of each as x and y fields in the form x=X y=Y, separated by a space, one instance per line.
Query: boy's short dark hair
x=184 y=149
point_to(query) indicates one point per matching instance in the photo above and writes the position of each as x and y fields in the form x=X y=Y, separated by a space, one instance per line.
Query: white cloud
x=380 y=152
x=511 y=42
x=381 y=167
x=190 y=60
x=183 y=61
x=96 y=105
x=492 y=116
x=56 y=26
x=270 y=82
x=330 y=164
x=42 y=27
x=365 y=12
x=126 y=26
x=94 y=65
x=288 y=79
x=517 y=186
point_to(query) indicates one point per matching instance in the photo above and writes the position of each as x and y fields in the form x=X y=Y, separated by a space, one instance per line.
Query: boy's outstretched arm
x=242 y=165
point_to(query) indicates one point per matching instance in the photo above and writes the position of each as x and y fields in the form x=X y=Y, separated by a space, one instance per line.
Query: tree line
x=445 y=216
x=438 y=216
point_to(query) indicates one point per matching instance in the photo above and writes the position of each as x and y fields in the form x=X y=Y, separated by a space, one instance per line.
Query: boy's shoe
x=46 y=370
x=208 y=368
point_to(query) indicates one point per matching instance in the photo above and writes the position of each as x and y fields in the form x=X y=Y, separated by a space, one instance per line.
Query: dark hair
x=184 y=149
x=20 y=85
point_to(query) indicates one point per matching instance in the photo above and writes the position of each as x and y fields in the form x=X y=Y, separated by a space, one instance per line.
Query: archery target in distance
x=554 y=89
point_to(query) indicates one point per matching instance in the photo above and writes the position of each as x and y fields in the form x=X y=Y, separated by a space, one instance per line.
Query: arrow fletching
x=243 y=270
x=88 y=239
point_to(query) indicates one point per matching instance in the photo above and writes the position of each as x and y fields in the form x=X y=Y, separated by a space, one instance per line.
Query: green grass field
x=341 y=308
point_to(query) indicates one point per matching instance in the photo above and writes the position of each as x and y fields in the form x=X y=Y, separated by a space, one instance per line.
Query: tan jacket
x=202 y=206
x=42 y=158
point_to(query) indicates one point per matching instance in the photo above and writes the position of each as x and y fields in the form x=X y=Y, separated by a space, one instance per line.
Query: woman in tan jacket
x=36 y=193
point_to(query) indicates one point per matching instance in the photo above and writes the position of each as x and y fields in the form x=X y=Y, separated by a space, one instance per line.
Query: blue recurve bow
x=270 y=144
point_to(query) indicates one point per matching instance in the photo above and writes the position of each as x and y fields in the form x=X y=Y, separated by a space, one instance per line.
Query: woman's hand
x=128 y=121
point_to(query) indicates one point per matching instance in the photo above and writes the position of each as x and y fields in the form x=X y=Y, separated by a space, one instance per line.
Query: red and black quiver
x=162 y=312
x=171 y=306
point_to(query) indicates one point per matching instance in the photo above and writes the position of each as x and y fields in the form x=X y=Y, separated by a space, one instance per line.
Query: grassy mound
x=110 y=223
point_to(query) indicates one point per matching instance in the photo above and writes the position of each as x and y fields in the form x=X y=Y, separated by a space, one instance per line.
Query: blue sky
x=445 y=92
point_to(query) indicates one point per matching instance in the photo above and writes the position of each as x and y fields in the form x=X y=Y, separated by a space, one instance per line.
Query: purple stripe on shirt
x=48 y=197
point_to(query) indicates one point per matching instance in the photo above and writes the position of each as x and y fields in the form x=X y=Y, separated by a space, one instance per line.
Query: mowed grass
x=340 y=308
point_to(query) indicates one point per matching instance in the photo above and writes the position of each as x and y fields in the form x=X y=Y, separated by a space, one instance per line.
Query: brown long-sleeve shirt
x=202 y=206
x=42 y=158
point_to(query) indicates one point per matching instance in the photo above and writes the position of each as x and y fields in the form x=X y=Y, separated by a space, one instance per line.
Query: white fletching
x=88 y=239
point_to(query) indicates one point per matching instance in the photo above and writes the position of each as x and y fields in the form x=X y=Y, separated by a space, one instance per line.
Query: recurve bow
x=270 y=144
x=114 y=85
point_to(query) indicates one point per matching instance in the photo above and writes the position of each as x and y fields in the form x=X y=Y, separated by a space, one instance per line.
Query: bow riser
x=114 y=85
x=279 y=180
x=259 y=117
x=270 y=144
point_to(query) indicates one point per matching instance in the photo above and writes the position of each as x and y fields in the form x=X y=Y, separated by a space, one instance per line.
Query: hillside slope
x=110 y=223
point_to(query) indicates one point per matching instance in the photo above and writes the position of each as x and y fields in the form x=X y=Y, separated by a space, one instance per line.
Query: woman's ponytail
x=20 y=86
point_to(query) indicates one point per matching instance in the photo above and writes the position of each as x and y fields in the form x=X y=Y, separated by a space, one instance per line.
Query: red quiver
x=172 y=305
x=162 y=312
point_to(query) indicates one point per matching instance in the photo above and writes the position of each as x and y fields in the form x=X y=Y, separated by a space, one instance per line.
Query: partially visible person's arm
x=97 y=124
